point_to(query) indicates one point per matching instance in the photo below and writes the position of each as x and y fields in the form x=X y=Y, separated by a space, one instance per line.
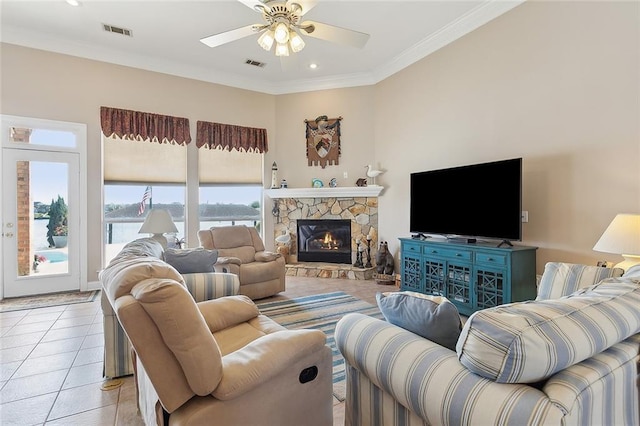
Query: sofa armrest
x=264 y=358
x=266 y=256
x=227 y=311
x=211 y=285
x=581 y=388
x=227 y=260
x=429 y=380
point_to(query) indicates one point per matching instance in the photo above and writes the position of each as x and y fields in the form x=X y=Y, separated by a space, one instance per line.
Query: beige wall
x=46 y=85
x=556 y=83
x=553 y=82
x=354 y=105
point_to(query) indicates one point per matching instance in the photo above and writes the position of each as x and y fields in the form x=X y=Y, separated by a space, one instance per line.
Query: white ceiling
x=166 y=37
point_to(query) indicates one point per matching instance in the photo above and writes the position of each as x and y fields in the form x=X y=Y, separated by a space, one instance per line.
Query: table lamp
x=157 y=222
x=622 y=236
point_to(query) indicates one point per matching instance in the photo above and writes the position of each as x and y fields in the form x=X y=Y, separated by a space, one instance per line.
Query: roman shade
x=128 y=155
x=234 y=153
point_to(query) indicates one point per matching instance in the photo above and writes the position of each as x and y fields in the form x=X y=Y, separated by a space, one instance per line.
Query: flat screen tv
x=479 y=200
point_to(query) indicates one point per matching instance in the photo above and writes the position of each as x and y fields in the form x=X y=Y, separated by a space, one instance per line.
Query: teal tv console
x=472 y=276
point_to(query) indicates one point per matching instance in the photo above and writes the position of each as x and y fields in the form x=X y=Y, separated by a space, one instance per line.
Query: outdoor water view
x=126 y=207
x=124 y=215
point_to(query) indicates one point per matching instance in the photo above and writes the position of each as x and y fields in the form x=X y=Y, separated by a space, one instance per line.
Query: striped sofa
x=571 y=360
x=118 y=360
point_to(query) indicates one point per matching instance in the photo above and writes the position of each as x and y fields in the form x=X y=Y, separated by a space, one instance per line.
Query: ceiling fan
x=283 y=26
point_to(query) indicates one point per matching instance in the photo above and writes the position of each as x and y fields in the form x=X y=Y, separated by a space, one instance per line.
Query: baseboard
x=93 y=285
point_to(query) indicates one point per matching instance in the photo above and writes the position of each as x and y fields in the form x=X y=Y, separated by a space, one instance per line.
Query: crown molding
x=464 y=25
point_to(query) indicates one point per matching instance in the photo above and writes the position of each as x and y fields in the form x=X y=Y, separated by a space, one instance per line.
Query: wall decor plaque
x=323 y=141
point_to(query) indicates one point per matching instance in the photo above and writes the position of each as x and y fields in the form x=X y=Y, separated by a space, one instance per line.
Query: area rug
x=322 y=312
x=46 y=300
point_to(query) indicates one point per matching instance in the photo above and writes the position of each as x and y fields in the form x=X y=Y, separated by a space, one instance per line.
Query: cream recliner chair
x=217 y=361
x=241 y=252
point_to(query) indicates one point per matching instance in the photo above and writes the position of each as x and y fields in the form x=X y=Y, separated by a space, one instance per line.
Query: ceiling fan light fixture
x=281 y=33
x=266 y=40
x=282 y=49
x=297 y=43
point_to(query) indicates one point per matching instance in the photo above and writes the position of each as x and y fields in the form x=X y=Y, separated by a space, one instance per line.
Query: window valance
x=228 y=136
x=142 y=126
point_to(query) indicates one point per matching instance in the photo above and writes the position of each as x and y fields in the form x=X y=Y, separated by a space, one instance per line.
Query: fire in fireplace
x=324 y=240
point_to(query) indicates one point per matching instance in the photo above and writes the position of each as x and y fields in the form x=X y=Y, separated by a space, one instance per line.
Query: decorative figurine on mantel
x=274 y=176
x=361 y=182
x=372 y=173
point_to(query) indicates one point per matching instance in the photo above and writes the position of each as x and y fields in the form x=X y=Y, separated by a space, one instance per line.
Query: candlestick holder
x=358 y=263
x=368 y=265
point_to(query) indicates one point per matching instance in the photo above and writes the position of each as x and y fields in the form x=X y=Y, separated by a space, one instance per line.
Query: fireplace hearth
x=324 y=240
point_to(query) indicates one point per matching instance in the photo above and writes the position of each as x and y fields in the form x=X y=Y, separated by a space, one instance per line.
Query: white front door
x=37 y=183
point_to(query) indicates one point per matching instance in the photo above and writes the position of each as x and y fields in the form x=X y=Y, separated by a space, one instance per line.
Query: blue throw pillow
x=432 y=317
x=191 y=261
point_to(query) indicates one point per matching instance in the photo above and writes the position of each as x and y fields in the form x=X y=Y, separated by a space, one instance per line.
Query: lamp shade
x=622 y=236
x=281 y=33
x=296 y=42
x=157 y=222
x=266 y=40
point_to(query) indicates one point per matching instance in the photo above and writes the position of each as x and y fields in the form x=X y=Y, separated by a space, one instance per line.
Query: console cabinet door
x=490 y=286
x=459 y=286
x=434 y=276
x=412 y=271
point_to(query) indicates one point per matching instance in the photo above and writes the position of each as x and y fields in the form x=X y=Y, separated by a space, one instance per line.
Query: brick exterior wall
x=24 y=207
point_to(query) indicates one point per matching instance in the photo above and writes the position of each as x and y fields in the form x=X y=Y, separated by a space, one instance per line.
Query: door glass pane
x=42 y=218
x=52 y=138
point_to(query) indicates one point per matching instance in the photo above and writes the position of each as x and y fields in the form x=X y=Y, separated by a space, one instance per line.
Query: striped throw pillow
x=562 y=279
x=529 y=341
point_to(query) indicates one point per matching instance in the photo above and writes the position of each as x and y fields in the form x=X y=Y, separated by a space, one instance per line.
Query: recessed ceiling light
x=73 y=2
x=313 y=66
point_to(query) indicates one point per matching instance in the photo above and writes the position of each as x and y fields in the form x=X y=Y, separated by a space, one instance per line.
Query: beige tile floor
x=51 y=362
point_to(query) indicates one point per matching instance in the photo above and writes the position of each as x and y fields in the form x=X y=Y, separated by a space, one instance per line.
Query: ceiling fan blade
x=251 y=4
x=233 y=35
x=306 y=5
x=334 y=34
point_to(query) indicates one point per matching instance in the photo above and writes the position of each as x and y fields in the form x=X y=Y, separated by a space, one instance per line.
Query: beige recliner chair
x=218 y=361
x=241 y=252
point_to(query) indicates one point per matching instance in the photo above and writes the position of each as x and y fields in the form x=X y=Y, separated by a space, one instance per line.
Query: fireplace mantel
x=338 y=192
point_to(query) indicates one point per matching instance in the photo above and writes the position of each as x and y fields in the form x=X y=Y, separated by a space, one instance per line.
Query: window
x=124 y=212
x=145 y=166
x=230 y=188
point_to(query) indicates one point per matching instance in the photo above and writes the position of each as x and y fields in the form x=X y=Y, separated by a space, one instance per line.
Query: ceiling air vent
x=117 y=30
x=255 y=63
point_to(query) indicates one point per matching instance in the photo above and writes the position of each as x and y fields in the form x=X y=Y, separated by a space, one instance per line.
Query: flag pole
x=150 y=197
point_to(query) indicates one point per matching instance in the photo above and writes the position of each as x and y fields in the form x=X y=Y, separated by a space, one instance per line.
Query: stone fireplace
x=357 y=206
